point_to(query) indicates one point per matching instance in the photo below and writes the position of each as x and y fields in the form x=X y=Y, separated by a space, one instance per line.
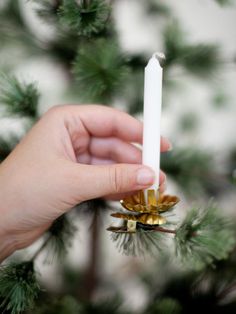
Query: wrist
x=7 y=241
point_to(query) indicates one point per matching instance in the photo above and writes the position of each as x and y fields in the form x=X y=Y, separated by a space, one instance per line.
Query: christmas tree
x=196 y=249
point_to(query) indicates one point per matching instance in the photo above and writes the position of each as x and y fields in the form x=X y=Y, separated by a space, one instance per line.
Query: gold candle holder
x=143 y=213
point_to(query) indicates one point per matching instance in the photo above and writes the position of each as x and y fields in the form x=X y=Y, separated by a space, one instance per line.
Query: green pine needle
x=86 y=17
x=165 y=306
x=18 y=287
x=107 y=306
x=60 y=236
x=204 y=237
x=18 y=97
x=198 y=59
x=158 y=8
x=224 y=2
x=201 y=59
x=140 y=243
x=47 y=9
x=65 y=305
x=100 y=70
x=192 y=170
x=174 y=41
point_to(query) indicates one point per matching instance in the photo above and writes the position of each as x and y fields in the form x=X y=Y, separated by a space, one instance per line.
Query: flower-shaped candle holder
x=143 y=214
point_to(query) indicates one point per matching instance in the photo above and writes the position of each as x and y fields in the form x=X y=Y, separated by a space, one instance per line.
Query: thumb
x=97 y=181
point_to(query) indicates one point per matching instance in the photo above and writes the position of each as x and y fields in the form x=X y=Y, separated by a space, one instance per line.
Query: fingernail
x=170 y=146
x=162 y=187
x=145 y=176
x=162 y=177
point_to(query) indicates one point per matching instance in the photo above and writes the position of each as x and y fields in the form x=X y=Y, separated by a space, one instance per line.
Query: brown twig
x=91 y=276
x=161 y=229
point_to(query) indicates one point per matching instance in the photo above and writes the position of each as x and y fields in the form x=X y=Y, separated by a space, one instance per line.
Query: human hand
x=72 y=154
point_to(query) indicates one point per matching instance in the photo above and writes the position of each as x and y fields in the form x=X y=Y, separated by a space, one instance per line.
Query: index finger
x=101 y=121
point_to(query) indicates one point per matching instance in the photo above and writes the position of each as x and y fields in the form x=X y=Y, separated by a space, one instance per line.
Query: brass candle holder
x=143 y=214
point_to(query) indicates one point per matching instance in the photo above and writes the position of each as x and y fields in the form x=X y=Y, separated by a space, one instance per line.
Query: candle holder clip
x=143 y=214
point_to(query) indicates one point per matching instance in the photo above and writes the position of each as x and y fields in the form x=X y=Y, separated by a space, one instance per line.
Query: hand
x=72 y=154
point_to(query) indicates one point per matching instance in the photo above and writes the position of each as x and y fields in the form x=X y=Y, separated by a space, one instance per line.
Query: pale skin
x=72 y=154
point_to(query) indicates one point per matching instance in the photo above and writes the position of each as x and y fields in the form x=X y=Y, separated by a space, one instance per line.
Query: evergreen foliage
x=19 y=98
x=110 y=306
x=47 y=9
x=86 y=45
x=204 y=237
x=155 y=7
x=224 y=2
x=165 y=306
x=100 y=70
x=85 y=16
x=60 y=235
x=202 y=60
x=192 y=169
x=65 y=305
x=141 y=243
x=18 y=287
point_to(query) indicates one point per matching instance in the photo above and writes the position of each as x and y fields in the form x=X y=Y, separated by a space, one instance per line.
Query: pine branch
x=106 y=306
x=18 y=97
x=174 y=41
x=18 y=287
x=193 y=170
x=13 y=29
x=201 y=59
x=59 y=238
x=158 y=8
x=64 y=305
x=85 y=17
x=204 y=237
x=7 y=145
x=48 y=9
x=141 y=242
x=198 y=59
x=232 y=166
x=224 y=2
x=165 y=306
x=100 y=70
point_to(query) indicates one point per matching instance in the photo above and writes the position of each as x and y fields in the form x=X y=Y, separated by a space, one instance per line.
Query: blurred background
x=57 y=52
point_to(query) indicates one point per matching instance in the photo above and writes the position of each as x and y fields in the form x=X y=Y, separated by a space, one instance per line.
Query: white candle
x=152 y=116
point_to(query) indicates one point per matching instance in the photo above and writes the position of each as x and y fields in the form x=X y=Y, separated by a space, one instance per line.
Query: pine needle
x=85 y=17
x=100 y=70
x=60 y=236
x=47 y=10
x=224 y=2
x=165 y=306
x=193 y=170
x=198 y=59
x=204 y=237
x=18 y=287
x=142 y=242
x=18 y=97
x=65 y=305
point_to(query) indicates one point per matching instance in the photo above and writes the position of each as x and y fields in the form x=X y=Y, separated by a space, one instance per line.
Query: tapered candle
x=152 y=116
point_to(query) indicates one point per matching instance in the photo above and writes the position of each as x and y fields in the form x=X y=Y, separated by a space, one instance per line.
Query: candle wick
x=160 y=56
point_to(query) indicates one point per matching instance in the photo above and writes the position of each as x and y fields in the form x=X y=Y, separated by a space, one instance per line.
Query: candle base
x=146 y=215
